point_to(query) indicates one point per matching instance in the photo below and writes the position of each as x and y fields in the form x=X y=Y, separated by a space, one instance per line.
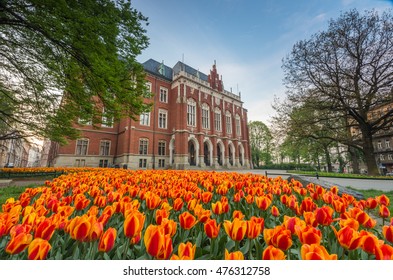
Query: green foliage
x=66 y=59
x=260 y=142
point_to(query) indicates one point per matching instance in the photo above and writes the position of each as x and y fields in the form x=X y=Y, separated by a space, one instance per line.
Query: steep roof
x=158 y=68
x=180 y=66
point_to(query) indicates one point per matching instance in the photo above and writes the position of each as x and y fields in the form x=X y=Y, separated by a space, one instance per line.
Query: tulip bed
x=124 y=214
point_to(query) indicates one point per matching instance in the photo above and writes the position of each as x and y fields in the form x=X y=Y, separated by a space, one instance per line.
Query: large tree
x=260 y=142
x=61 y=60
x=348 y=70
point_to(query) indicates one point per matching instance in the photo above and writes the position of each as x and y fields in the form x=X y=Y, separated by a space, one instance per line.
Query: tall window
x=238 y=127
x=162 y=118
x=105 y=147
x=381 y=157
x=228 y=122
x=387 y=143
x=106 y=120
x=161 y=148
x=163 y=95
x=217 y=120
x=379 y=145
x=81 y=147
x=143 y=144
x=191 y=112
x=205 y=116
x=144 y=119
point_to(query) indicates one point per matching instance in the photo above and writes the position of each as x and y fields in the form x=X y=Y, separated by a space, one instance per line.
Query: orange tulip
x=161 y=214
x=315 y=252
x=384 y=211
x=324 y=215
x=152 y=200
x=79 y=228
x=158 y=244
x=273 y=253
x=384 y=252
x=18 y=243
x=387 y=232
x=263 y=202
x=81 y=202
x=254 y=227
x=170 y=226
x=186 y=251
x=275 y=211
x=187 y=220
x=133 y=224
x=308 y=235
x=107 y=240
x=279 y=237
x=348 y=238
x=371 y=203
x=217 y=208
x=38 y=249
x=206 y=197
x=349 y=222
x=290 y=223
x=211 y=228
x=238 y=214
x=307 y=205
x=383 y=200
x=370 y=242
x=234 y=255
x=236 y=229
x=45 y=229
x=178 y=204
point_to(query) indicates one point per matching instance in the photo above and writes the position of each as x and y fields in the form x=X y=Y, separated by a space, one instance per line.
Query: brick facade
x=194 y=123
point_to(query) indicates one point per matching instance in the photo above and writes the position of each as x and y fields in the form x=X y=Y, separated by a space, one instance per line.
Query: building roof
x=160 y=69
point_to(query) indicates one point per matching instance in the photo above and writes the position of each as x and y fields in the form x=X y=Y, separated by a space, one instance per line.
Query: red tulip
x=38 y=249
x=273 y=253
x=211 y=228
x=187 y=220
x=107 y=240
x=316 y=252
x=236 y=229
x=234 y=255
x=133 y=224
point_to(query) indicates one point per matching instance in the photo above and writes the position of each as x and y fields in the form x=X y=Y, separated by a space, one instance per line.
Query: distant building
x=194 y=123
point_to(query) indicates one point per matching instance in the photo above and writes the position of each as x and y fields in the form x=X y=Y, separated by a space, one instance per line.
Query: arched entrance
x=230 y=154
x=220 y=153
x=191 y=153
x=206 y=153
x=241 y=154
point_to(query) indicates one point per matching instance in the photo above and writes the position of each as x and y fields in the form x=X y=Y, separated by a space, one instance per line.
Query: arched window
x=205 y=116
x=191 y=112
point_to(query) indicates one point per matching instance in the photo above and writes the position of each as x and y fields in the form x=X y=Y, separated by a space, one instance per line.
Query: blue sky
x=247 y=38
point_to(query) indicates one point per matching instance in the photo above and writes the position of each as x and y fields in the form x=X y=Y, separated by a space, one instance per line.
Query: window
x=379 y=145
x=228 y=122
x=143 y=144
x=80 y=162
x=103 y=163
x=84 y=121
x=381 y=157
x=217 y=120
x=390 y=157
x=161 y=163
x=105 y=147
x=191 y=112
x=106 y=120
x=163 y=95
x=81 y=147
x=162 y=118
x=148 y=87
x=142 y=163
x=144 y=119
x=205 y=116
x=238 y=126
x=387 y=143
x=161 y=148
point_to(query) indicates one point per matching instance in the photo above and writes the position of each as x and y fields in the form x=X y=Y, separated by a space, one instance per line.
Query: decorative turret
x=214 y=79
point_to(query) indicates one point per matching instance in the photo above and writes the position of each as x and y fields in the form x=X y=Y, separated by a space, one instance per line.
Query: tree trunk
x=328 y=159
x=369 y=157
x=354 y=159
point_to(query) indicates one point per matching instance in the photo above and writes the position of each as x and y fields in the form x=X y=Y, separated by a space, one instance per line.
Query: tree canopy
x=60 y=58
x=260 y=142
x=345 y=73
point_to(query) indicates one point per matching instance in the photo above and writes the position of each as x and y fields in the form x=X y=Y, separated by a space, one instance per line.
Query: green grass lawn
x=340 y=175
x=375 y=193
x=7 y=192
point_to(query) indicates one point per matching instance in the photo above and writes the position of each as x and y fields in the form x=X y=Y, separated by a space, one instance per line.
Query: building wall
x=180 y=138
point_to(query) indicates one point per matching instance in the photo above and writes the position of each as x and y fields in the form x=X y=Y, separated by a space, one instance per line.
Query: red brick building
x=194 y=123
